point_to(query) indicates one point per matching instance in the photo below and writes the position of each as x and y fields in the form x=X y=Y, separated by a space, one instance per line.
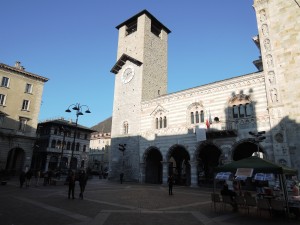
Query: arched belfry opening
x=245 y=149
x=208 y=158
x=179 y=165
x=153 y=166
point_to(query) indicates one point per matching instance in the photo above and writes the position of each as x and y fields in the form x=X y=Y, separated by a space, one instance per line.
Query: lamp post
x=78 y=109
x=258 y=137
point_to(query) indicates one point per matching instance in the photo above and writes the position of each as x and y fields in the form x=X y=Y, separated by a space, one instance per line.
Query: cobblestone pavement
x=108 y=203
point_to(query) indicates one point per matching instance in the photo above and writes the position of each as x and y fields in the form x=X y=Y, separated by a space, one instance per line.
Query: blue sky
x=74 y=44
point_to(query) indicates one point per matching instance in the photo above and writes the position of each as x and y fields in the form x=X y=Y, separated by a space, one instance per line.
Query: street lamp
x=258 y=137
x=78 y=109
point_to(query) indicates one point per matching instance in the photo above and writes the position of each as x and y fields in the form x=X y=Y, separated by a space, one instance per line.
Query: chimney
x=18 y=65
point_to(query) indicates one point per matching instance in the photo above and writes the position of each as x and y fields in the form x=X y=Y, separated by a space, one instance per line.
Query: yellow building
x=20 y=101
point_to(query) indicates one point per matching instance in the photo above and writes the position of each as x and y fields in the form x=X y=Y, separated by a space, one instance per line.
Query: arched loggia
x=153 y=167
x=179 y=165
x=208 y=158
x=245 y=149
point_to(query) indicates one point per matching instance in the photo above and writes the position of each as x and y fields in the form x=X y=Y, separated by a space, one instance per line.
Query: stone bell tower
x=140 y=74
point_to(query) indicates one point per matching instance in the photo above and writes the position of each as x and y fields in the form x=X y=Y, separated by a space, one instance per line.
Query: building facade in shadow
x=188 y=133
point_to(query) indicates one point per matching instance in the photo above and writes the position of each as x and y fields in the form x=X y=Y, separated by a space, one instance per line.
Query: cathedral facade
x=188 y=133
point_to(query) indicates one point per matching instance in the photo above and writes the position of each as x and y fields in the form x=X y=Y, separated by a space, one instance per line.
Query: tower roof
x=138 y=15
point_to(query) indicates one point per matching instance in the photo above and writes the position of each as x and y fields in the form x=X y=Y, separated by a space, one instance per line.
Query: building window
x=125 y=127
x=78 y=134
x=68 y=145
x=192 y=118
x=85 y=136
x=22 y=124
x=165 y=122
x=77 y=147
x=84 y=148
x=5 y=82
x=58 y=144
x=25 y=105
x=55 y=131
x=196 y=115
x=235 y=111
x=2 y=99
x=131 y=27
x=28 y=88
x=248 y=109
x=161 y=122
x=202 y=116
x=53 y=144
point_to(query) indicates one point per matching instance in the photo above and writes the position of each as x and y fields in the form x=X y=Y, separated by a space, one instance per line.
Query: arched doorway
x=15 y=160
x=179 y=164
x=245 y=149
x=208 y=158
x=73 y=163
x=153 y=167
x=53 y=162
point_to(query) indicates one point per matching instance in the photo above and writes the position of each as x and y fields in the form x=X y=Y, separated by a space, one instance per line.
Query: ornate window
x=240 y=106
x=196 y=112
x=160 y=117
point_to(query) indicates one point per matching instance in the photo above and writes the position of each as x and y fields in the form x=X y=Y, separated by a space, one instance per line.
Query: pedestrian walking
x=82 y=182
x=71 y=180
x=170 y=182
x=28 y=176
x=22 y=178
x=121 y=177
x=37 y=177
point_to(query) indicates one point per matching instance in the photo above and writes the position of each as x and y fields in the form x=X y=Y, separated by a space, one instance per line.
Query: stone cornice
x=230 y=83
x=23 y=72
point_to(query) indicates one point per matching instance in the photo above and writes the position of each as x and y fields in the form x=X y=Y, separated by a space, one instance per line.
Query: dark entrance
x=153 y=167
x=179 y=165
x=245 y=150
x=208 y=158
x=15 y=160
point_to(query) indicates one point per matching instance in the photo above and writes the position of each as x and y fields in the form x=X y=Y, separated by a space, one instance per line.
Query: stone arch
x=246 y=148
x=153 y=168
x=15 y=160
x=179 y=165
x=208 y=157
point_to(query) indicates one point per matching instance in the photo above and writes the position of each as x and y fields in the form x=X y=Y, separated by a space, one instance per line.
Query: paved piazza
x=108 y=203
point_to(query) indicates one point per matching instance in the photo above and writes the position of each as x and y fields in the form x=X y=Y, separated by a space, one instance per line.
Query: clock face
x=127 y=75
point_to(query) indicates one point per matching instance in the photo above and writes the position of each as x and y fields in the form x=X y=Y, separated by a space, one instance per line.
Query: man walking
x=170 y=182
x=71 y=180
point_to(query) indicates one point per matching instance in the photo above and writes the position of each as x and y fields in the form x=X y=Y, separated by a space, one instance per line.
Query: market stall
x=260 y=166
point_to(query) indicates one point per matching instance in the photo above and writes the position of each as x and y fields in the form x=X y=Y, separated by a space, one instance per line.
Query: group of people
x=82 y=179
x=26 y=177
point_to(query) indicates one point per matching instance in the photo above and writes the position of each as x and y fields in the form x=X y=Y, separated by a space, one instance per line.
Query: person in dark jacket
x=171 y=182
x=22 y=178
x=71 y=180
x=82 y=182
